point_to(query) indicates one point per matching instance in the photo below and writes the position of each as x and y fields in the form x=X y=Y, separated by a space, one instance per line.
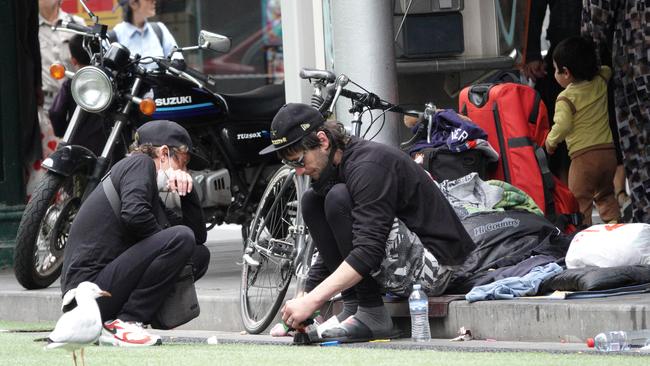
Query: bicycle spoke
x=271 y=244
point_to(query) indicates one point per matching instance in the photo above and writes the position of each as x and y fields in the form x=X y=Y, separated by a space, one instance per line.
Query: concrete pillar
x=362 y=37
x=302 y=44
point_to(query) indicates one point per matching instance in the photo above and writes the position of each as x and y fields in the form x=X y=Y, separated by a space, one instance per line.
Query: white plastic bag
x=610 y=246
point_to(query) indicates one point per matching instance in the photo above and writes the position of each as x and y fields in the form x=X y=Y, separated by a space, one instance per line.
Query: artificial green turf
x=20 y=349
x=26 y=327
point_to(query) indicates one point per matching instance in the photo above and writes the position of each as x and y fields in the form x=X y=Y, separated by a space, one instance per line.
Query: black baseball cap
x=163 y=132
x=292 y=122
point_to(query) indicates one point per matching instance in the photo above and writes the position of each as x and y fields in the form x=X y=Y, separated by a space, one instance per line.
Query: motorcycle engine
x=212 y=186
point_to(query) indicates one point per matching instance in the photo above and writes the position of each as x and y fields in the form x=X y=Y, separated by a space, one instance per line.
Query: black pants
x=329 y=220
x=141 y=277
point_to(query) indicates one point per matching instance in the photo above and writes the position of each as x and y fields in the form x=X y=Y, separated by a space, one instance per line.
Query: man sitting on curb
x=358 y=189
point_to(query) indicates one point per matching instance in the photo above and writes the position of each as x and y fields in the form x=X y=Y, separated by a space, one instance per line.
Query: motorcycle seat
x=260 y=103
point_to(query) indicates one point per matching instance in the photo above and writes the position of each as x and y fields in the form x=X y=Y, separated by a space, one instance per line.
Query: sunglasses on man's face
x=297 y=163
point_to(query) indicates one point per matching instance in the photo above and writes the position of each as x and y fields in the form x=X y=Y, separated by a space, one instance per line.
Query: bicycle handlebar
x=334 y=84
x=322 y=75
x=370 y=101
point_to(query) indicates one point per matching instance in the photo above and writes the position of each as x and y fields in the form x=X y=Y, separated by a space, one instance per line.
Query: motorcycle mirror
x=92 y=15
x=214 y=41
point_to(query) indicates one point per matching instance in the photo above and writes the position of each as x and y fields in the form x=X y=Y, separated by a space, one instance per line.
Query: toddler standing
x=581 y=118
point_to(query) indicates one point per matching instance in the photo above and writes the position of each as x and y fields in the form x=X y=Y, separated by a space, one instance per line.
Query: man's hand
x=534 y=70
x=295 y=311
x=549 y=149
x=179 y=181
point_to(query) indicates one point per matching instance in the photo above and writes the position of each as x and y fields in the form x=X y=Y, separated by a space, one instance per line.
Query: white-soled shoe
x=127 y=334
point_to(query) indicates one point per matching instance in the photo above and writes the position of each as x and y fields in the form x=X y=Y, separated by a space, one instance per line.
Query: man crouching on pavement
x=138 y=255
x=358 y=189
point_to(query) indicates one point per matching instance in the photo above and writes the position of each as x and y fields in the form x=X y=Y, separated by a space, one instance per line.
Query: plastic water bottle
x=419 y=308
x=620 y=340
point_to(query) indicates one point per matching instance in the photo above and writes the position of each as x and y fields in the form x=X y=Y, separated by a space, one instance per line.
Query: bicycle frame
x=304 y=248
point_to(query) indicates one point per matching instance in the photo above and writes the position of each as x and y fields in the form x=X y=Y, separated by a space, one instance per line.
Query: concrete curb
x=529 y=320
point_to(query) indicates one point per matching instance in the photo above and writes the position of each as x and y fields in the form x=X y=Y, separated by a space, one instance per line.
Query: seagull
x=80 y=326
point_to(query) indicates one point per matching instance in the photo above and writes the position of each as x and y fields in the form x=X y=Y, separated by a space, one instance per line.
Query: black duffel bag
x=444 y=164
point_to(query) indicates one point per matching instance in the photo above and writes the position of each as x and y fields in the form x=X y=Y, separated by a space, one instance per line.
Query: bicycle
x=278 y=244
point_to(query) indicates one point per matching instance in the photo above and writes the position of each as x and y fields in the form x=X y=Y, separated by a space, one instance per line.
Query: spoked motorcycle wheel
x=43 y=231
x=268 y=257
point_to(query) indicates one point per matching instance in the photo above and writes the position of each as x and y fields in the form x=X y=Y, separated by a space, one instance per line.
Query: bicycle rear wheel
x=270 y=249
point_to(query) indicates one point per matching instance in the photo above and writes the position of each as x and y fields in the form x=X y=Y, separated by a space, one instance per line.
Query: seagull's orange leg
x=74 y=358
x=83 y=359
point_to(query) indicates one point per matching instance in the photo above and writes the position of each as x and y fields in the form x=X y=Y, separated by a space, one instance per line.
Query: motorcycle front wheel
x=43 y=231
x=269 y=253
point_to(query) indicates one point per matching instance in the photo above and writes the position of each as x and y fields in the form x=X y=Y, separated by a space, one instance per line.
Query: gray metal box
x=428 y=6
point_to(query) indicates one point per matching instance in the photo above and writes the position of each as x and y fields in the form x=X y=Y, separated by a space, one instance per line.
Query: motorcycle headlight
x=92 y=89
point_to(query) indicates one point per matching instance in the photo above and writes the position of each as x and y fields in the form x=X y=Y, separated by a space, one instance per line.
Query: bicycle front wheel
x=270 y=249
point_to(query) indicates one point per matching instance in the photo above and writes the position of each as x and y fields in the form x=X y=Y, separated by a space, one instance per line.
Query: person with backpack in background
x=581 y=118
x=89 y=134
x=139 y=35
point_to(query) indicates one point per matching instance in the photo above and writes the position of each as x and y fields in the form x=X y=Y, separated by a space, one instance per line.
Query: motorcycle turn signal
x=147 y=106
x=57 y=71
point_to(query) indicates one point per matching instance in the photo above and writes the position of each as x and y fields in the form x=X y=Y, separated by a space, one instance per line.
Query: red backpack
x=516 y=122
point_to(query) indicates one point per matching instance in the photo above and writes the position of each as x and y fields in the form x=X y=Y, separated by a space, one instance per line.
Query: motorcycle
x=226 y=130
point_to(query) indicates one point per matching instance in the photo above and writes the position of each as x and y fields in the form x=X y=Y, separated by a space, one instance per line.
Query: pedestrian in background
x=90 y=133
x=141 y=36
x=564 y=22
x=54 y=45
x=54 y=49
x=619 y=30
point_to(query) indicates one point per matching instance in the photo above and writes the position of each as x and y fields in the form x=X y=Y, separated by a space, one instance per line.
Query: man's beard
x=328 y=176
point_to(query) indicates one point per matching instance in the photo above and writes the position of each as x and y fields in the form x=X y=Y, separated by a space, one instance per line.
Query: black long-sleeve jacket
x=385 y=183
x=97 y=236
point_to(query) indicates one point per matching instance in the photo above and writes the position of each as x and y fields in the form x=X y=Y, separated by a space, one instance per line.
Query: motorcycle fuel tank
x=244 y=140
x=180 y=101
